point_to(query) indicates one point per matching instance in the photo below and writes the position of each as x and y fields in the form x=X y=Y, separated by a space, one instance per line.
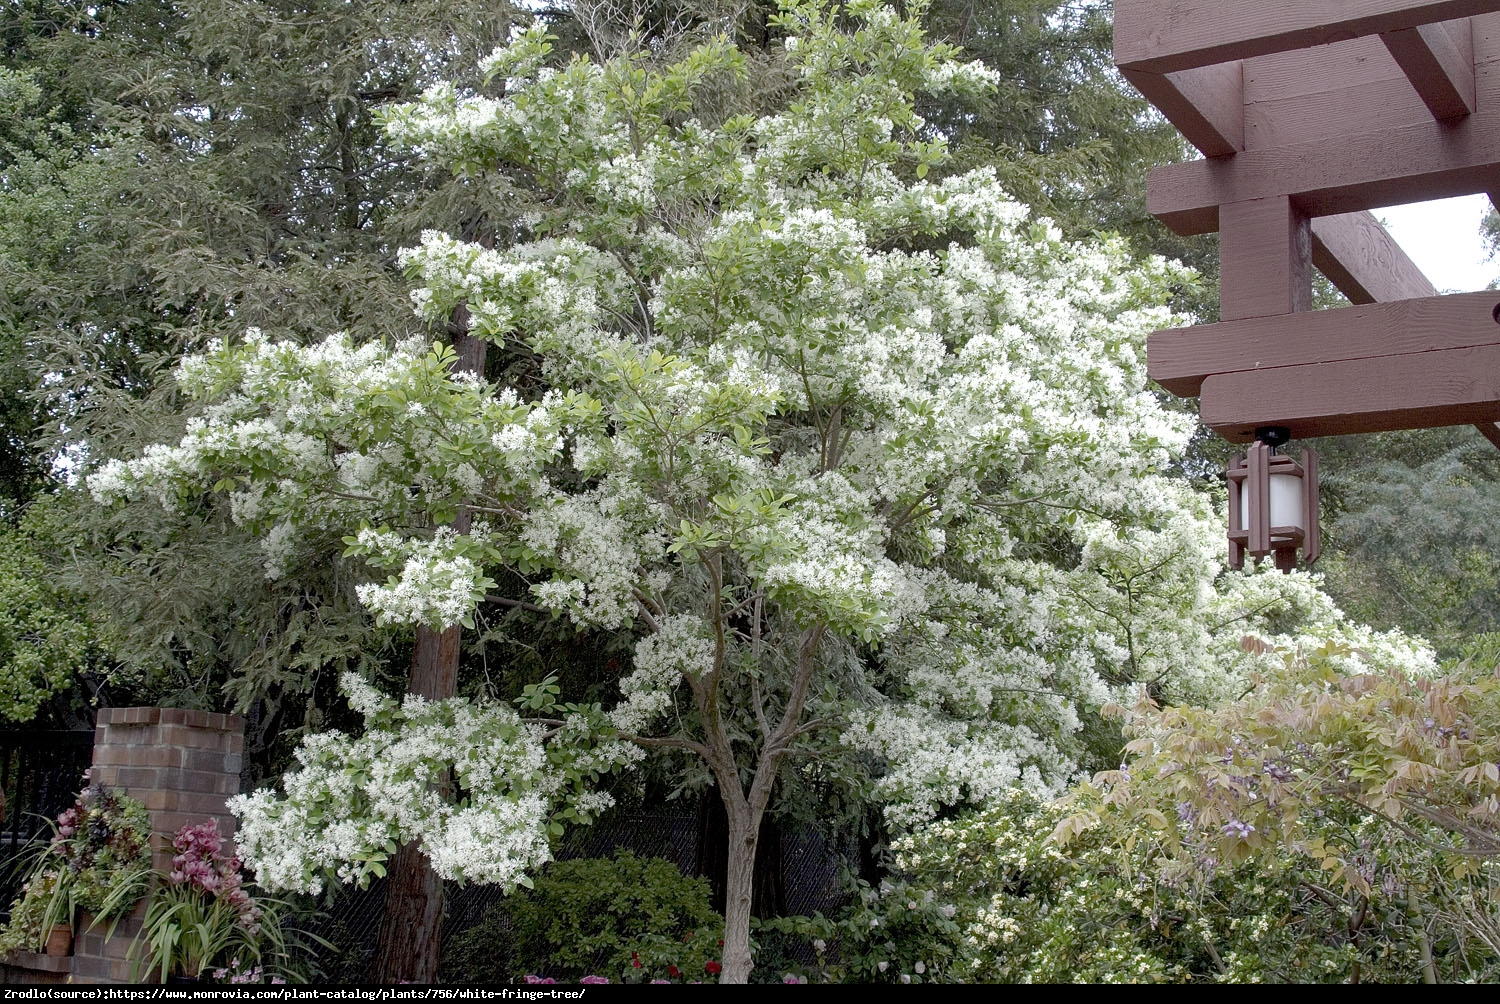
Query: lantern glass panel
x=1286 y=502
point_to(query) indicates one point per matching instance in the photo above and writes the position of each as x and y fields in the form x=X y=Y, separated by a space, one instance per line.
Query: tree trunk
x=739 y=889
x=411 y=929
x=746 y=811
x=768 y=898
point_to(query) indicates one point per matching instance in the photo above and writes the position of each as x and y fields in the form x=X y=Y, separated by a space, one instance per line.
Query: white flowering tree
x=864 y=459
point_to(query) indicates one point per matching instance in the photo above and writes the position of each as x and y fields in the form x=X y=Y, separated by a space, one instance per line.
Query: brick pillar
x=183 y=765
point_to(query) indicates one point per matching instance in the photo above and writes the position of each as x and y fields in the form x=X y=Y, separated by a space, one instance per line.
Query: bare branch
x=670 y=742
x=518 y=604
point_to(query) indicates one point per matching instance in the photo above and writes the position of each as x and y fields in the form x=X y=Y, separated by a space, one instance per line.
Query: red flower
x=674 y=972
x=712 y=968
x=635 y=960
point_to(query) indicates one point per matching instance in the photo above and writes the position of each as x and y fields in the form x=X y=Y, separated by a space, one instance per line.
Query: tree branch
x=518 y=604
x=670 y=742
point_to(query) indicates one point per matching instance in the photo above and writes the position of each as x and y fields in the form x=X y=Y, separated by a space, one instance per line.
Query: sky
x=1442 y=238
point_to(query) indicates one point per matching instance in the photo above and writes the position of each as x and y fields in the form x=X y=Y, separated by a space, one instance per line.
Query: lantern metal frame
x=1254 y=469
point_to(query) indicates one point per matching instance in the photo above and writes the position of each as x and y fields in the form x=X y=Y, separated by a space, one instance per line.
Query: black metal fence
x=40 y=773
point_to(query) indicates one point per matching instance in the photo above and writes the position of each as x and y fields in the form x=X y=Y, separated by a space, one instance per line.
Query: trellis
x=1308 y=115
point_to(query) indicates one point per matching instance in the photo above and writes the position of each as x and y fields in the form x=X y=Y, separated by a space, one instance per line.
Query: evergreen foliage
x=626 y=918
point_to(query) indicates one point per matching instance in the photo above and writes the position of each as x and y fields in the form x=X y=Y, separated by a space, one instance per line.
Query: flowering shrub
x=988 y=897
x=586 y=980
x=1325 y=827
x=626 y=918
x=1379 y=788
x=98 y=860
x=1253 y=777
x=203 y=921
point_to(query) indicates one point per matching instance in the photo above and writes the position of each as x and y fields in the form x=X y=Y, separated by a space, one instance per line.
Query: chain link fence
x=812 y=871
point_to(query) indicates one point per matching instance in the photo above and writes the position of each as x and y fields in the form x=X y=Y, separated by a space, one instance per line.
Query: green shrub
x=595 y=916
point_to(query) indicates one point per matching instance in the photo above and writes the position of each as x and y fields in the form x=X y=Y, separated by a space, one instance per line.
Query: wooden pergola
x=1309 y=113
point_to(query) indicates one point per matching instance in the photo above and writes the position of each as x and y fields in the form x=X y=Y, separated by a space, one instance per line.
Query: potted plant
x=98 y=862
x=202 y=923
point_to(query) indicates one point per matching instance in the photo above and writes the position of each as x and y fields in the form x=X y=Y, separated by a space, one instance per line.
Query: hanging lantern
x=1273 y=503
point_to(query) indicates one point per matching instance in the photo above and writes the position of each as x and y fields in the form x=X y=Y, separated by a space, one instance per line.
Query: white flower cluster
x=434 y=587
x=681 y=648
x=594 y=552
x=352 y=801
x=935 y=761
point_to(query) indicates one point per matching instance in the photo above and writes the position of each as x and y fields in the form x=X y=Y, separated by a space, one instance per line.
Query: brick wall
x=183 y=765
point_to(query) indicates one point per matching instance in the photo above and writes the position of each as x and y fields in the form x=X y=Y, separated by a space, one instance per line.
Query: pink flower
x=201 y=863
x=594 y=979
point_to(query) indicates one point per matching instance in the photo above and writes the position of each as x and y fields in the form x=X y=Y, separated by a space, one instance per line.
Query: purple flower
x=594 y=979
x=1235 y=828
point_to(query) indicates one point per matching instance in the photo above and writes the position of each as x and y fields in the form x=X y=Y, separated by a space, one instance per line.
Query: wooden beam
x=1316 y=95
x=1160 y=37
x=1344 y=174
x=1359 y=257
x=1206 y=104
x=1265 y=259
x=1438 y=59
x=1411 y=391
x=1182 y=359
x=1490 y=431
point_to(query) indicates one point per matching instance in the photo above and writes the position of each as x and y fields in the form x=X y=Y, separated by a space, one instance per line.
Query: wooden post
x=1258 y=497
x=1265 y=259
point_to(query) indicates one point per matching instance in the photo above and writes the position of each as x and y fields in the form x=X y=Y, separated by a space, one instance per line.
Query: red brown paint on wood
x=1361 y=171
x=1163 y=37
x=1490 y=431
x=1438 y=59
x=1310 y=114
x=1265 y=256
x=1363 y=261
x=1180 y=359
x=1413 y=391
x=1342 y=129
x=1206 y=104
x=1288 y=102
